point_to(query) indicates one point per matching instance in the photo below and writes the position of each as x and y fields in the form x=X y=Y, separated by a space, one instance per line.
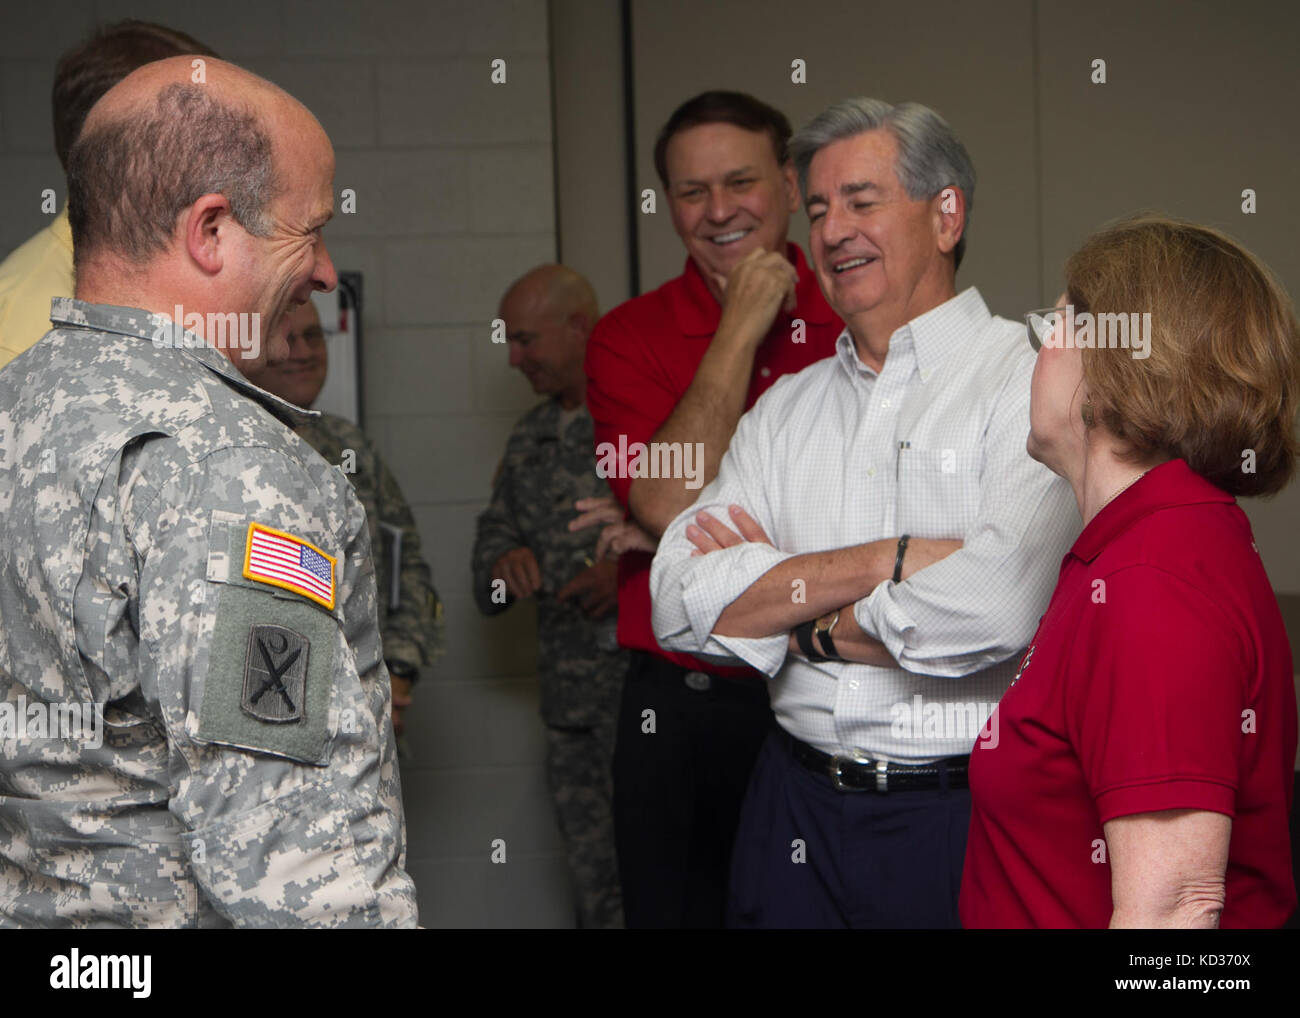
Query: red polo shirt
x=1160 y=678
x=641 y=359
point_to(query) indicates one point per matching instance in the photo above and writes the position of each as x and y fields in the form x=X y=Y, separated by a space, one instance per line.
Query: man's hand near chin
x=752 y=294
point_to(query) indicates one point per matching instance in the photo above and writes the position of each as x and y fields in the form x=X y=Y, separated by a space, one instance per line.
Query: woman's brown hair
x=1220 y=385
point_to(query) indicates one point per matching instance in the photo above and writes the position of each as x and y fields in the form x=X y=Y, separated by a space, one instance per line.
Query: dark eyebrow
x=726 y=176
x=520 y=334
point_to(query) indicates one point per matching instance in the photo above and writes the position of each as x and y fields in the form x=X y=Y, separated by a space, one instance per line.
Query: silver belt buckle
x=854 y=756
x=698 y=681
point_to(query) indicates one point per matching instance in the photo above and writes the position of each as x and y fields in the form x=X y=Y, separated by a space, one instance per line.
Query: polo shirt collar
x=1171 y=484
x=932 y=338
x=698 y=313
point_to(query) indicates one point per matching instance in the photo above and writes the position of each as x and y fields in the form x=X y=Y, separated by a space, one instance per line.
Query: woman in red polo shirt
x=1142 y=774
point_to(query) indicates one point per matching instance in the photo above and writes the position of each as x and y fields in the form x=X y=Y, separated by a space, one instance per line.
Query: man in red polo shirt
x=674 y=370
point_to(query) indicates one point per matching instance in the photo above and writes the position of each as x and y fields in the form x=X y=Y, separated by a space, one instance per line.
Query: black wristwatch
x=803 y=636
x=823 y=634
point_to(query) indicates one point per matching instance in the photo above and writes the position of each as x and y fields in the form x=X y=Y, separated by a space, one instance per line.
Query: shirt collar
x=942 y=331
x=1171 y=484
x=564 y=421
x=66 y=312
x=900 y=349
x=932 y=337
x=698 y=312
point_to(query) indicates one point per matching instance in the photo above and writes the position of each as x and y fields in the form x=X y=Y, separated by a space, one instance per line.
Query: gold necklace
x=1121 y=491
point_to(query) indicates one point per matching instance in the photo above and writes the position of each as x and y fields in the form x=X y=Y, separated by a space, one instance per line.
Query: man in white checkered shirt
x=878 y=542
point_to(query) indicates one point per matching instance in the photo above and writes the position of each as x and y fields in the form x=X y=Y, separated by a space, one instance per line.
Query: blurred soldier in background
x=410 y=614
x=526 y=548
x=41 y=269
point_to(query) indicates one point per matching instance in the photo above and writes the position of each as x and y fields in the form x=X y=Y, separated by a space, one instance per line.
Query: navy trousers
x=810 y=856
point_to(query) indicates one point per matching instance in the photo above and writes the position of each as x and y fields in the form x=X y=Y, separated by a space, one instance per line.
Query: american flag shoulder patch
x=282 y=560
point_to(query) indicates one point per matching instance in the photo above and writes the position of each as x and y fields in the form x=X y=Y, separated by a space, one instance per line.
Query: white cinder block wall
x=454 y=200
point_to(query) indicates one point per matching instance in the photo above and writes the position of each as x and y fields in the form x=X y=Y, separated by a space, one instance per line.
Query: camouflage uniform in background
x=247 y=775
x=580 y=666
x=411 y=630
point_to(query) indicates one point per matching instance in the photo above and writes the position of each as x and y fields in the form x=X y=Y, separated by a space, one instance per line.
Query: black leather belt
x=856 y=772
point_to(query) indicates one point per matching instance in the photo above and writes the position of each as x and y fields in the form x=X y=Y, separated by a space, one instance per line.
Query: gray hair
x=129 y=179
x=930 y=156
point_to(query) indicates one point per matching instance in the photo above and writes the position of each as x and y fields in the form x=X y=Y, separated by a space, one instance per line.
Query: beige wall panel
x=1199 y=104
x=971 y=62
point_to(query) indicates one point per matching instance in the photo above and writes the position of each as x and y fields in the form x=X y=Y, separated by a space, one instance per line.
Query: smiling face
x=728 y=195
x=545 y=344
x=876 y=251
x=300 y=375
x=279 y=272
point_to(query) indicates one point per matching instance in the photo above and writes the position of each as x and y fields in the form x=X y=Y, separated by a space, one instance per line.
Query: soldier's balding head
x=198 y=183
x=549 y=313
x=554 y=289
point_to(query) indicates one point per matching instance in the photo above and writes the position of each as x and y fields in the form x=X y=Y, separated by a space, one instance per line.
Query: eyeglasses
x=1041 y=324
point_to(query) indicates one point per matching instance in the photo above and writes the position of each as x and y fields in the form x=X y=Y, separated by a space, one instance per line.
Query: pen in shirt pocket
x=904 y=444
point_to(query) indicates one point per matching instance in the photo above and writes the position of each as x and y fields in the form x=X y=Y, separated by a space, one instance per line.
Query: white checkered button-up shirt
x=933 y=446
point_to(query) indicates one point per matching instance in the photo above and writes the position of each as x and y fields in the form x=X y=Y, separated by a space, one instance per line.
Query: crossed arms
x=832 y=579
x=966 y=601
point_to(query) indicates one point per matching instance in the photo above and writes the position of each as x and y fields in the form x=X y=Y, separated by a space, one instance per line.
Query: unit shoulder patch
x=275 y=674
x=270 y=674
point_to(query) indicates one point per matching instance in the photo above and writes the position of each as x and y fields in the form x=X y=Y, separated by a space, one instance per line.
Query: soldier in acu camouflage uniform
x=411 y=623
x=525 y=548
x=171 y=552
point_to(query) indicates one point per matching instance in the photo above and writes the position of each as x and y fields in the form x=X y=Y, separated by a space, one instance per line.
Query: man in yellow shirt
x=41 y=268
